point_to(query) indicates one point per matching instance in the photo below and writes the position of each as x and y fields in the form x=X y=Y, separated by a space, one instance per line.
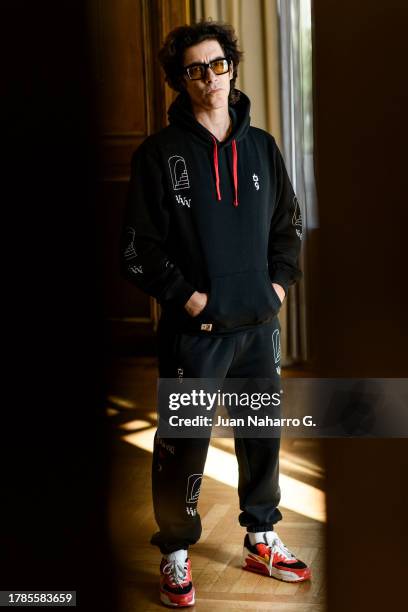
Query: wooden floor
x=220 y=582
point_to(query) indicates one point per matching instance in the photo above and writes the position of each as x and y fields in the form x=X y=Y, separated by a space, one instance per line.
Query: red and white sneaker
x=272 y=558
x=176 y=583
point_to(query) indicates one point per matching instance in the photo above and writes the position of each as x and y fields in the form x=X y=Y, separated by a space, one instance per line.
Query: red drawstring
x=234 y=170
x=217 y=175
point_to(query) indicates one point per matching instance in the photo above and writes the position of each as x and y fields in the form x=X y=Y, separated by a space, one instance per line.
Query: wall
x=358 y=279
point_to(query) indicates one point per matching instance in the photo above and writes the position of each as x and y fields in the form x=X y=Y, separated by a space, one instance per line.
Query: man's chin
x=217 y=99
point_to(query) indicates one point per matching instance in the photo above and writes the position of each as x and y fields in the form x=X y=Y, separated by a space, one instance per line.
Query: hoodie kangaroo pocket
x=244 y=298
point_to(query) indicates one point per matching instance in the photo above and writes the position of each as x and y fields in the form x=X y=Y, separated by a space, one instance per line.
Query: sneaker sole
x=165 y=599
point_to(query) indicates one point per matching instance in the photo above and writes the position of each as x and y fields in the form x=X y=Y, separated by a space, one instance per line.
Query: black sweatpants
x=178 y=463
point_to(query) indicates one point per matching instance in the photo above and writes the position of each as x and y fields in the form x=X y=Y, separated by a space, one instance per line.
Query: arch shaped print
x=178 y=172
x=193 y=488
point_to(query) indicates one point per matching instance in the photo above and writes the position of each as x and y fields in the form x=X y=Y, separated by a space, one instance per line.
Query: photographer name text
x=247 y=421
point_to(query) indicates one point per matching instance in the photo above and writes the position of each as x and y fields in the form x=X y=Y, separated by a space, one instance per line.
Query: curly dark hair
x=178 y=40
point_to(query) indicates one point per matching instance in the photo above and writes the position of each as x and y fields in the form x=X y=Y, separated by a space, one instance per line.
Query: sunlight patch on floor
x=222 y=466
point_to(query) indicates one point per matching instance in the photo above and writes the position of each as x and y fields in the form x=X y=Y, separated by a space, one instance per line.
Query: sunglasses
x=199 y=70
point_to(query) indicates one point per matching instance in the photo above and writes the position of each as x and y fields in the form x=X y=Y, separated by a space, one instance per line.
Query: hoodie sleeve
x=285 y=232
x=144 y=261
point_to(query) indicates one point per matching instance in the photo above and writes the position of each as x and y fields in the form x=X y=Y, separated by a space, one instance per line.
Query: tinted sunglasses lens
x=195 y=72
x=219 y=66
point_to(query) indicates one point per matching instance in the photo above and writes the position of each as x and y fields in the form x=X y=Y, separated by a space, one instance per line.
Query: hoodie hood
x=180 y=113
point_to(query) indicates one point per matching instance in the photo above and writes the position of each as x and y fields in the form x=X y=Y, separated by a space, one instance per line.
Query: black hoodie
x=210 y=216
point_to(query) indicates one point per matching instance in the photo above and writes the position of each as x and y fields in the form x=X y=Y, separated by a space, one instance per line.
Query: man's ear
x=231 y=70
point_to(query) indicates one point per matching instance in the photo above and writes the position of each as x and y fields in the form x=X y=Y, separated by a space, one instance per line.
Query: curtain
x=297 y=130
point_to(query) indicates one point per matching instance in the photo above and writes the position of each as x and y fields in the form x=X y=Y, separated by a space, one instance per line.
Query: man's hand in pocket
x=196 y=303
x=280 y=291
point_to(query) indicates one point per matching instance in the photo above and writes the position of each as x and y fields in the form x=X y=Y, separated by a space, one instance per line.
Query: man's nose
x=210 y=76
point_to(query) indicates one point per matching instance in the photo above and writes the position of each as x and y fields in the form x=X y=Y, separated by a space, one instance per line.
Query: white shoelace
x=177 y=571
x=276 y=545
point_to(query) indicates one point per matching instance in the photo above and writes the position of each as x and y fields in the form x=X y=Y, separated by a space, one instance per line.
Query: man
x=212 y=231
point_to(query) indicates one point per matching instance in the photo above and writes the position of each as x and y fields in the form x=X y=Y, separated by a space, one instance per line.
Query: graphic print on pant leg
x=161 y=455
x=193 y=492
x=276 y=349
x=168 y=447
